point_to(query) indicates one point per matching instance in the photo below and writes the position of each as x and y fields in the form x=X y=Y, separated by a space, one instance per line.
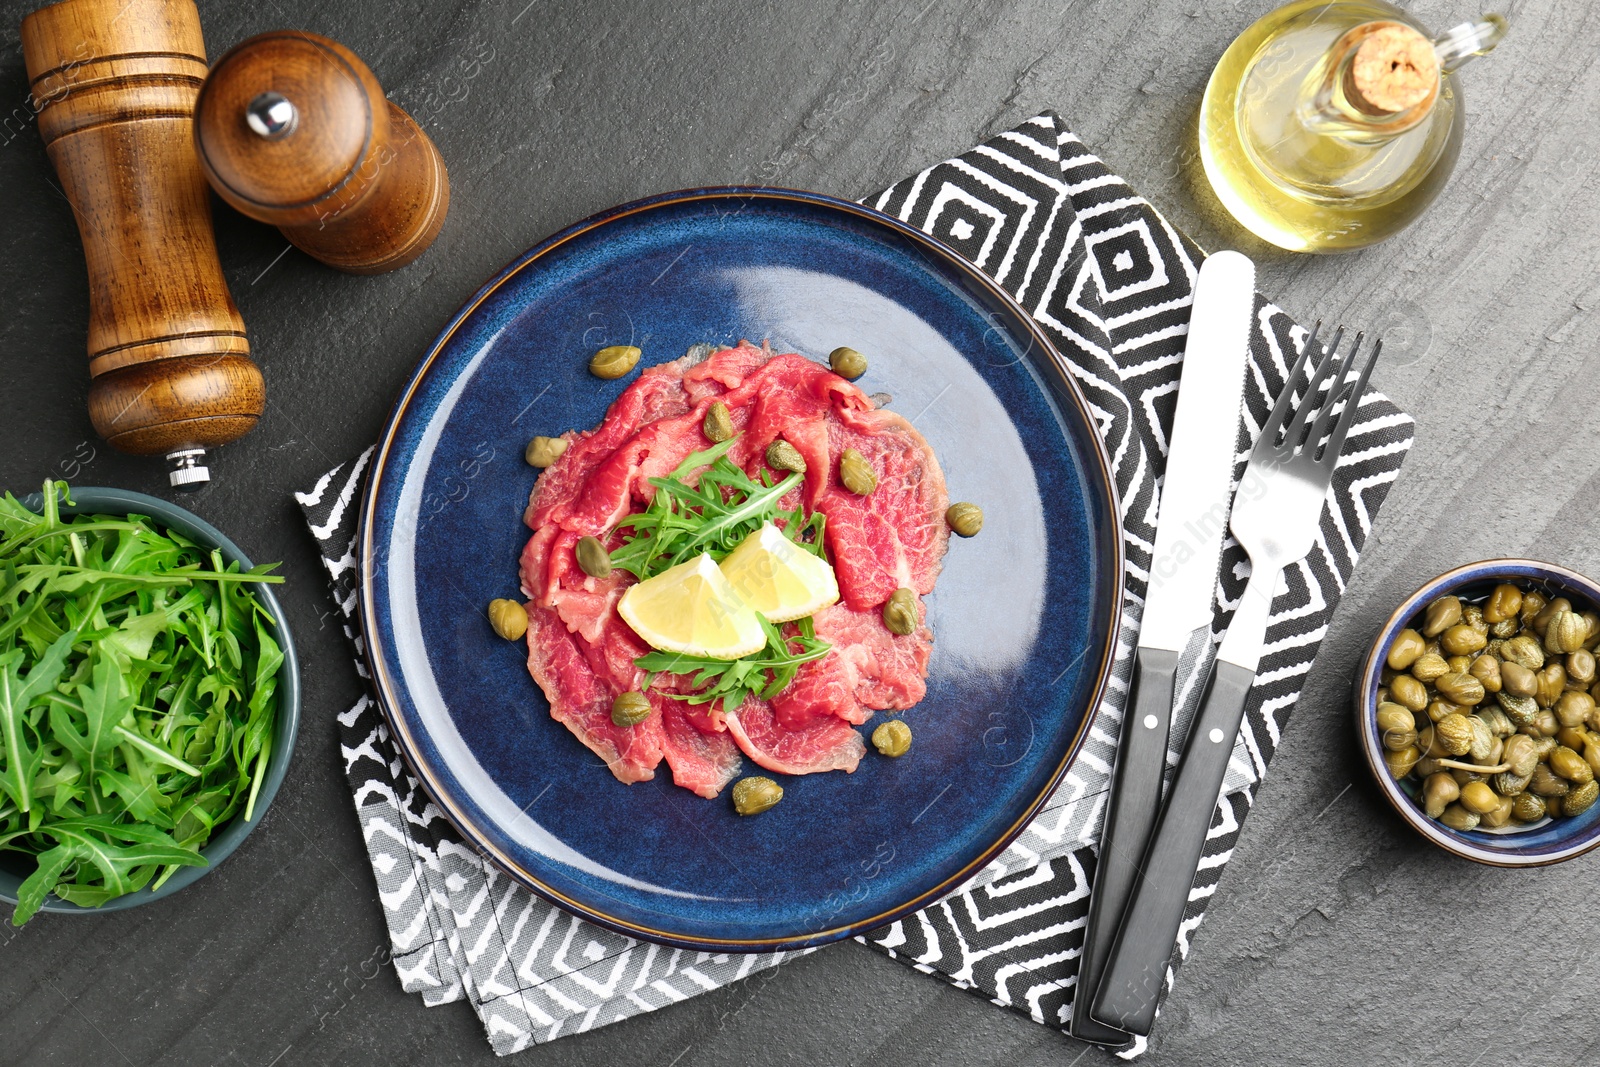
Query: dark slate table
x=1336 y=935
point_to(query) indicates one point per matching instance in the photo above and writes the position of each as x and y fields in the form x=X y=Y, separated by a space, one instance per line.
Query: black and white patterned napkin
x=1111 y=282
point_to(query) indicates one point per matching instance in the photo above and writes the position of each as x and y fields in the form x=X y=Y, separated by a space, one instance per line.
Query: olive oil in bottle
x=1332 y=126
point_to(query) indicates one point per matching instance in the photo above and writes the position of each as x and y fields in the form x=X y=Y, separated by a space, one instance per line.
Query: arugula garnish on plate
x=763 y=674
x=722 y=507
x=138 y=679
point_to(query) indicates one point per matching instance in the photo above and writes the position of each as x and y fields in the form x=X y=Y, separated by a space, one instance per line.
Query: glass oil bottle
x=1331 y=126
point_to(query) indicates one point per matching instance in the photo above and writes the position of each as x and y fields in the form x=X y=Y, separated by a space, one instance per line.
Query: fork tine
x=1308 y=403
x=1336 y=443
x=1336 y=384
x=1280 y=408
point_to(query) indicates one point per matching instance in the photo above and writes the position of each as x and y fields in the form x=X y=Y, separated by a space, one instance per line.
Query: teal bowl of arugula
x=149 y=699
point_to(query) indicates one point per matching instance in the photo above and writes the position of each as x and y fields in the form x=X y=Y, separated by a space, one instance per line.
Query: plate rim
x=378 y=672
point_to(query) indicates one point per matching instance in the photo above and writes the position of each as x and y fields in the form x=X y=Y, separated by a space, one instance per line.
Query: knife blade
x=1191 y=522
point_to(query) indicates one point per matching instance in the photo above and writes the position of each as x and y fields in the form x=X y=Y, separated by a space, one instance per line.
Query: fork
x=1275 y=517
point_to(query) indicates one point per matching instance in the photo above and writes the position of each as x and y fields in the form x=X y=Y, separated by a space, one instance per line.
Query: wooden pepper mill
x=115 y=83
x=293 y=130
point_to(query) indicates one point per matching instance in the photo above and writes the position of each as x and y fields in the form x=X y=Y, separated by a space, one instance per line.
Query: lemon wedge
x=779 y=578
x=691 y=608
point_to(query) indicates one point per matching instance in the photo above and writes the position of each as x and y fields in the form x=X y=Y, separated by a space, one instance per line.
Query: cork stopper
x=1394 y=69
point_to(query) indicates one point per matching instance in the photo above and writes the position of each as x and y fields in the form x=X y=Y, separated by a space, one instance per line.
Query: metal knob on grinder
x=293 y=130
x=115 y=83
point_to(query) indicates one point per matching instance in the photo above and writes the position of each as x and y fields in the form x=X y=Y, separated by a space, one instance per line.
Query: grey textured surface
x=1325 y=943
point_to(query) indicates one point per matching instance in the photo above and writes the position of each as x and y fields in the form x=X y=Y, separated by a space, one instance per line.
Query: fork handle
x=1134 y=977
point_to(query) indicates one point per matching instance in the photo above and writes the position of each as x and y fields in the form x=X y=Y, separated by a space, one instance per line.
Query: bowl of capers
x=1477 y=711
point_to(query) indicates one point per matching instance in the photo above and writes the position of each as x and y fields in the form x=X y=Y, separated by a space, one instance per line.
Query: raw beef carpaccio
x=582 y=653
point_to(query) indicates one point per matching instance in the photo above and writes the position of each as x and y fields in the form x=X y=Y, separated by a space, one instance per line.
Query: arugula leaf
x=138 y=699
x=721 y=508
x=763 y=674
x=17 y=693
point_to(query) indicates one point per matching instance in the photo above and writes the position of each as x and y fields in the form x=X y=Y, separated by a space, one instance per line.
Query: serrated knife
x=1191 y=522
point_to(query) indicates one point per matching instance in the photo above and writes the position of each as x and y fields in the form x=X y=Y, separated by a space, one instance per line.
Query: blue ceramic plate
x=1514 y=845
x=1024 y=616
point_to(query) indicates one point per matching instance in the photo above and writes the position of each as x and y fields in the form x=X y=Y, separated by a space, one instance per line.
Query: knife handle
x=1138 y=966
x=1135 y=800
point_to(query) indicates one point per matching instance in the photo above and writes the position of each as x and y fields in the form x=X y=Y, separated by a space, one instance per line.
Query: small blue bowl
x=14 y=867
x=1537 y=845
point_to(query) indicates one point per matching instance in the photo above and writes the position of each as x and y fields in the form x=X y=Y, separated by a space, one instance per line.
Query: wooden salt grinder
x=115 y=83
x=293 y=130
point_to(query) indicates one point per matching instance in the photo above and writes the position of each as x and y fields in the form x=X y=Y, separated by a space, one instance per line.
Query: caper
x=1383 y=694
x=1574 y=737
x=782 y=456
x=1518 y=680
x=1580 y=799
x=1406 y=650
x=1509 y=785
x=900 y=612
x=1544 y=745
x=1396 y=728
x=1472 y=615
x=965 y=518
x=1459 y=818
x=1527 y=807
x=1571 y=766
x=1591 y=753
x=1486 y=669
x=1428 y=666
x=1499 y=725
x=1592 y=619
x=614 y=361
x=856 y=473
x=1496 y=749
x=1482 y=740
x=1462 y=640
x=593 y=557
x=1441 y=615
x=1400 y=763
x=718 y=423
x=1573 y=708
x=1523 y=650
x=1552 y=683
x=1499 y=815
x=1565 y=632
x=1581 y=667
x=1438 y=792
x=1427 y=741
x=1453 y=733
x=1478 y=797
x=630 y=708
x=1458 y=664
x=1503 y=603
x=1503 y=629
x=543 y=451
x=847 y=363
x=1521 y=755
x=1408 y=691
x=1550 y=610
x=1428 y=766
x=1519 y=709
x=1552 y=806
x=1533 y=602
x=1461 y=689
x=893 y=738
x=1547 y=783
x=1546 y=722
x=509 y=618
x=752 y=796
